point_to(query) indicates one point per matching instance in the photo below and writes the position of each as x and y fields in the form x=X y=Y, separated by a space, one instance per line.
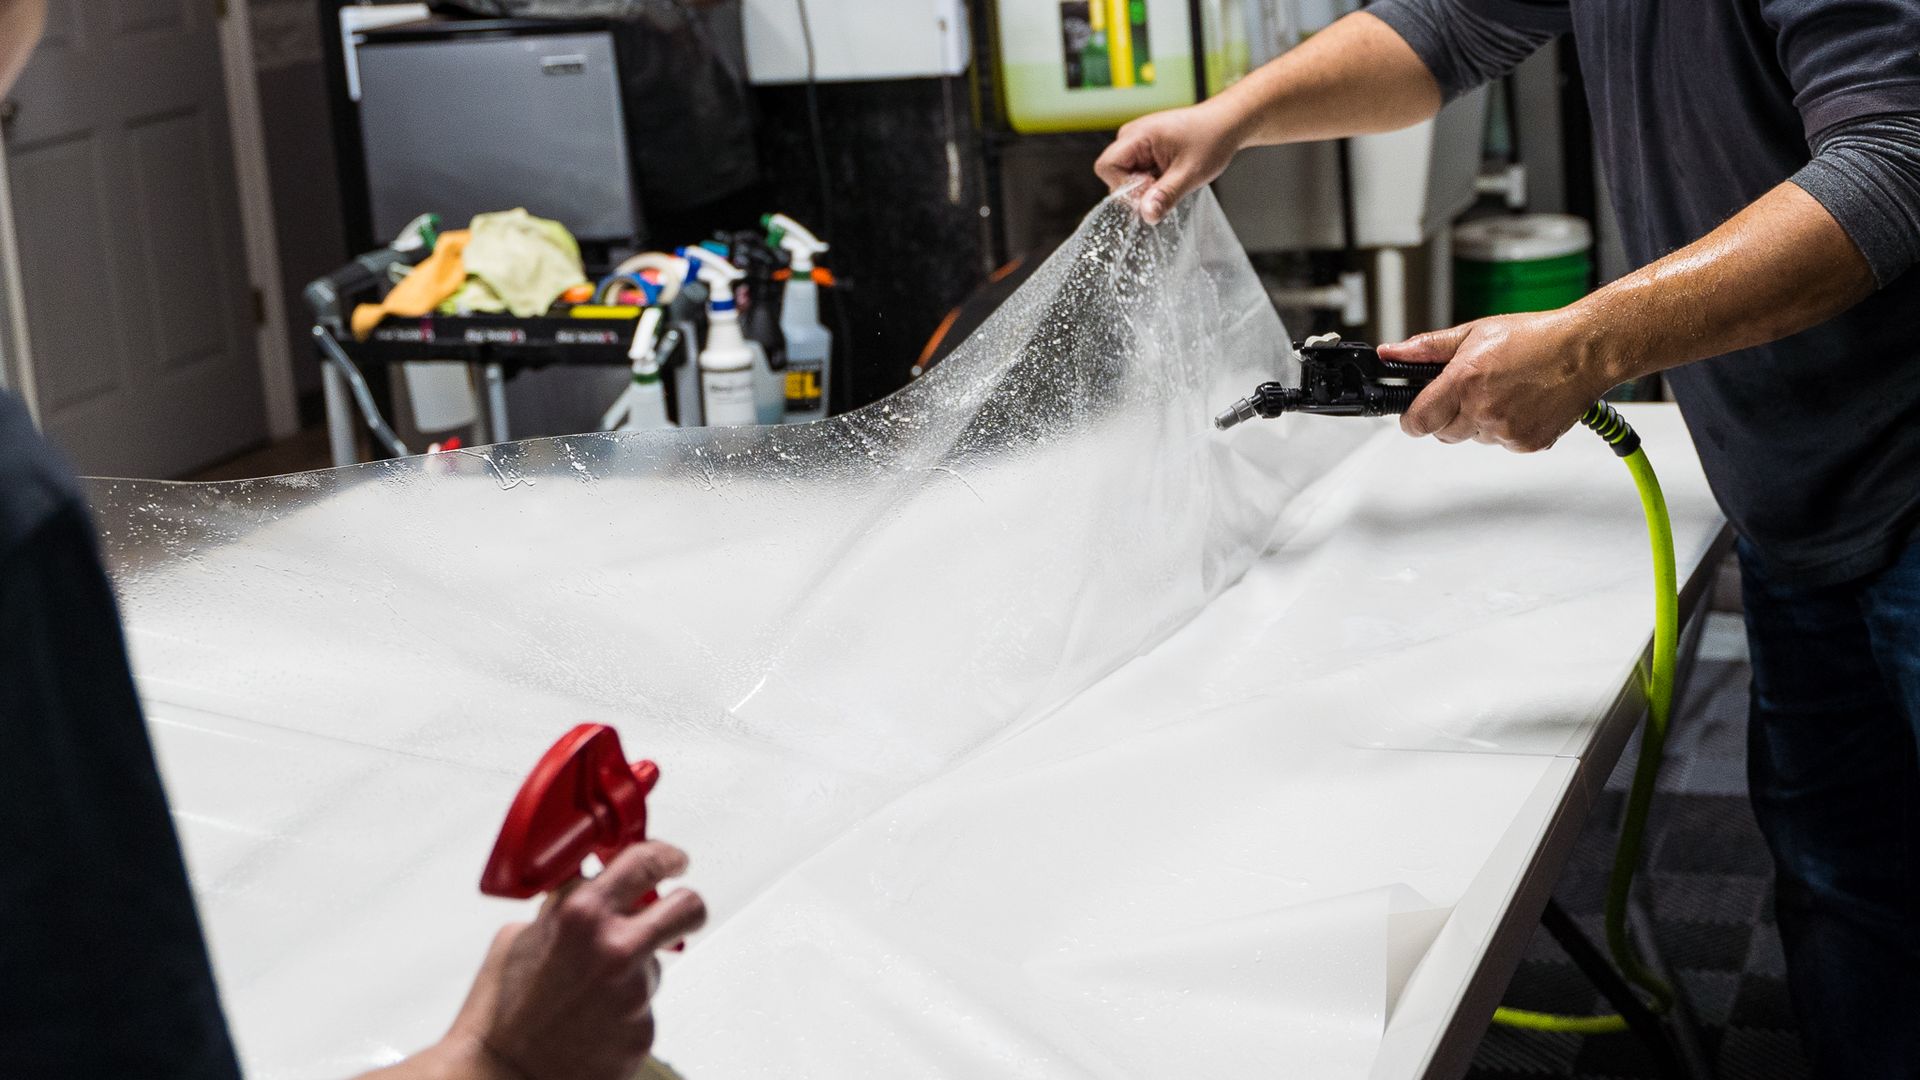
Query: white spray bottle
x=764 y=384
x=643 y=404
x=809 y=343
x=728 y=362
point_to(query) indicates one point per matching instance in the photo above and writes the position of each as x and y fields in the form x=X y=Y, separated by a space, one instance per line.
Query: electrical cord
x=821 y=173
x=1604 y=421
x=844 y=339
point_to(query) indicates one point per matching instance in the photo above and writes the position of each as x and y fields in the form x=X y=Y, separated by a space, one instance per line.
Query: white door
x=139 y=312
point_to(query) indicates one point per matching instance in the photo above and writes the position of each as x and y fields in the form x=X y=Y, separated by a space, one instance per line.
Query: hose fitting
x=1605 y=421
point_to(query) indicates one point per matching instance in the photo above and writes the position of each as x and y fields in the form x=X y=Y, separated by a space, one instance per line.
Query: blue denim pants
x=1834 y=768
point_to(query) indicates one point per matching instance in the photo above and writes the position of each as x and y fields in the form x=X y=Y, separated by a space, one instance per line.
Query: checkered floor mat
x=1707 y=887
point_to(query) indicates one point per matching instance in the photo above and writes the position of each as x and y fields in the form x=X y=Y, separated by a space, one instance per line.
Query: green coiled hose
x=1607 y=423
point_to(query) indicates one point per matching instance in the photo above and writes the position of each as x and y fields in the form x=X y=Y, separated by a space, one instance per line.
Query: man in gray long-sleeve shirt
x=1764 y=160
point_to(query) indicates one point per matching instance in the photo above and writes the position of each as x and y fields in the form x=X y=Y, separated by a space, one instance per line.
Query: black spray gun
x=1348 y=378
x=1337 y=378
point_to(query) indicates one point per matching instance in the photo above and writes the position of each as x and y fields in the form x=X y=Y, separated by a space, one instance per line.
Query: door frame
x=16 y=349
x=255 y=185
x=280 y=400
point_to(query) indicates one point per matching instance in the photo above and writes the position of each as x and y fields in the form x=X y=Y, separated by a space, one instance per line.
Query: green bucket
x=1527 y=262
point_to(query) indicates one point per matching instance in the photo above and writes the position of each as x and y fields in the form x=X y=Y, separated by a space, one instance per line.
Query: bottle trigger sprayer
x=809 y=343
x=643 y=404
x=728 y=361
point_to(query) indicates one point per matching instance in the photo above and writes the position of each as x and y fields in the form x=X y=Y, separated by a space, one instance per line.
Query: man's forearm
x=1355 y=77
x=1778 y=267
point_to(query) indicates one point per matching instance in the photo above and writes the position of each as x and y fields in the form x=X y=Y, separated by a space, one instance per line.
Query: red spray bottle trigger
x=581 y=799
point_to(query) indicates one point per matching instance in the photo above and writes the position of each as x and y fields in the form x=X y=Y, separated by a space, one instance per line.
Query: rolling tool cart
x=495 y=348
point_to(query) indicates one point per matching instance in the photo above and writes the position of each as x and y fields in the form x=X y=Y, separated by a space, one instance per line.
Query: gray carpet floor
x=1707 y=888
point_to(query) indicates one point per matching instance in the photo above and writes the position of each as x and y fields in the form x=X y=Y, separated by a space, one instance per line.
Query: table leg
x=1640 y=1019
x=340 y=441
x=496 y=381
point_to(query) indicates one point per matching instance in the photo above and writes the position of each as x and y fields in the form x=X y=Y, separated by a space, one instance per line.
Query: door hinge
x=259 y=307
x=220 y=10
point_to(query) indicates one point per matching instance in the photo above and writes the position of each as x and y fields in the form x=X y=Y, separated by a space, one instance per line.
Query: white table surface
x=1291 y=840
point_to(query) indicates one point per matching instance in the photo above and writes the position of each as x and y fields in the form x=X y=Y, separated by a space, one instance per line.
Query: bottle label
x=803 y=389
x=729 y=398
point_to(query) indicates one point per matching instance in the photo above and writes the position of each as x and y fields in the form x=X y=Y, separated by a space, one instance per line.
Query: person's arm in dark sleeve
x=106 y=972
x=1854 y=66
x=1468 y=43
x=1866 y=173
x=1817 y=243
x=1355 y=77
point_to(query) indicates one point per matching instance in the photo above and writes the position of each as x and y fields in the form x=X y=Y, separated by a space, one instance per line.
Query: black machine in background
x=465 y=118
x=640 y=126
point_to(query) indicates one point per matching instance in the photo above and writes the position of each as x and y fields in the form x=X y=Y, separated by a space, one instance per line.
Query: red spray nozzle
x=581 y=799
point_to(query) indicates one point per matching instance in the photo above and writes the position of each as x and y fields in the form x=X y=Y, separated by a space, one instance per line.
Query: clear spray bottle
x=809 y=342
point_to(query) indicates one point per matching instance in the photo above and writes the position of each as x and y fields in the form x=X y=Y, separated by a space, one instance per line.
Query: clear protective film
x=351 y=670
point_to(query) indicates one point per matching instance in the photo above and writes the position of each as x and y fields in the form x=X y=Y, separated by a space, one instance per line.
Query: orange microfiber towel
x=438 y=276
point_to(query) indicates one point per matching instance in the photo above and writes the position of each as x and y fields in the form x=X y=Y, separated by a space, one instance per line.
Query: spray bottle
x=723 y=281
x=729 y=362
x=687 y=320
x=760 y=306
x=643 y=404
x=809 y=344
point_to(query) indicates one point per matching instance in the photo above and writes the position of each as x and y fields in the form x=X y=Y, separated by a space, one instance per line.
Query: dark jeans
x=1834 y=765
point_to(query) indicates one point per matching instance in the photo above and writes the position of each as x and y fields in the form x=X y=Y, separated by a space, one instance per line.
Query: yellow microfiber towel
x=527 y=261
x=438 y=276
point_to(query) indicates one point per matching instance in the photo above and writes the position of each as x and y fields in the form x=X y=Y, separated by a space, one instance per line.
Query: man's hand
x=1518 y=381
x=570 y=995
x=1353 y=77
x=1181 y=148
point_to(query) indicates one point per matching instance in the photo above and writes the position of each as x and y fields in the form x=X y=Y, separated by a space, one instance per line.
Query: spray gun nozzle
x=1235 y=414
x=1268 y=400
